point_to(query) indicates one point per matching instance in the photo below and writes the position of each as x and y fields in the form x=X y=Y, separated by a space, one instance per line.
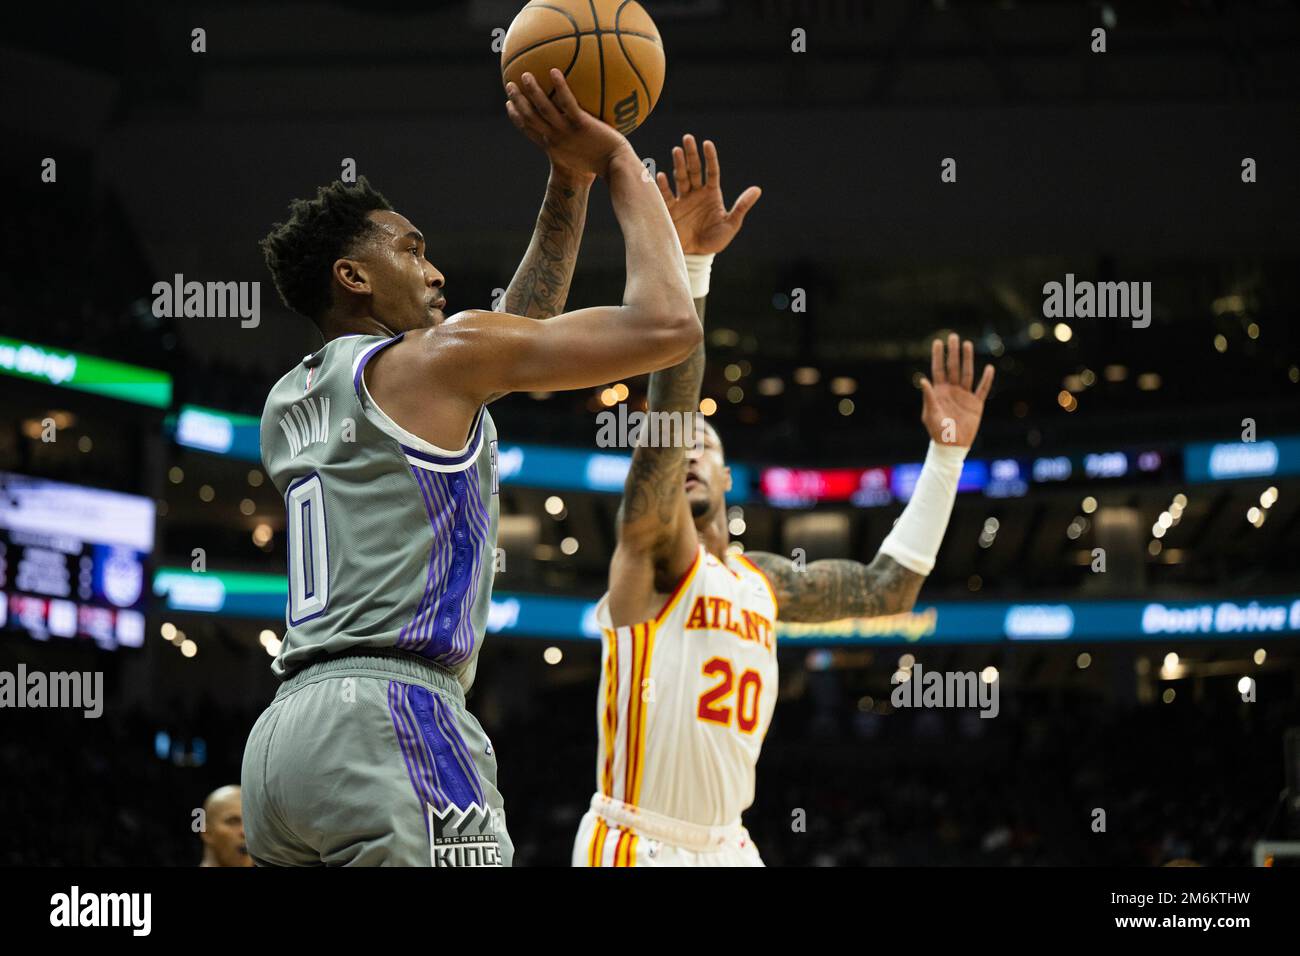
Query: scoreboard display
x=73 y=561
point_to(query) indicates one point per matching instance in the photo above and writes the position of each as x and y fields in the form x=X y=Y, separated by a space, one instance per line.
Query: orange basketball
x=609 y=51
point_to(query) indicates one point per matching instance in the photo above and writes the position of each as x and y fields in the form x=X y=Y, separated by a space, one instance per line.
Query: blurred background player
x=689 y=674
x=223 y=829
x=383 y=446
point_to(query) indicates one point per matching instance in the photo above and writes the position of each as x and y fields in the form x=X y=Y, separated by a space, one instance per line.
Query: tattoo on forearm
x=835 y=589
x=541 y=284
x=655 y=479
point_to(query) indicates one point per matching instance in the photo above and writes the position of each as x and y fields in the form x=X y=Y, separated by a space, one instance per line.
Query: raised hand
x=577 y=143
x=703 y=222
x=950 y=408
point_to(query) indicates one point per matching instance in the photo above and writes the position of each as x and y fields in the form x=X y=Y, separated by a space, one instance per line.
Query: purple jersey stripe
x=445 y=721
x=408 y=744
x=480 y=526
x=446 y=507
x=405 y=636
x=461 y=782
x=423 y=757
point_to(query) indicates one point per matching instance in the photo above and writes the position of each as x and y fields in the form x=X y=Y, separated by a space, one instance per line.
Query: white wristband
x=914 y=542
x=698 y=267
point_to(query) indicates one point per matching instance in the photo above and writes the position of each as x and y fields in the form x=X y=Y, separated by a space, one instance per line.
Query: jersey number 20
x=713 y=706
x=309 y=581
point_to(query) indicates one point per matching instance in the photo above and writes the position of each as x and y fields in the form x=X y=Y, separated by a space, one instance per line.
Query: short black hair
x=301 y=252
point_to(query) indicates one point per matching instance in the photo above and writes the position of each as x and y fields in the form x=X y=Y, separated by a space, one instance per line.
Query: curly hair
x=301 y=252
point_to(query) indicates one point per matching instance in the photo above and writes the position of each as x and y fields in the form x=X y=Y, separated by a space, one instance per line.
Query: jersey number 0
x=308 y=549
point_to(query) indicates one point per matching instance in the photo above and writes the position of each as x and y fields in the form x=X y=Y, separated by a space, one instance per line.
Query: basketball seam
x=618 y=34
x=600 y=52
x=577 y=36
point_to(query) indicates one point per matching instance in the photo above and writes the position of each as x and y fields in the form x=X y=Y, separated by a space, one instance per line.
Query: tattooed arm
x=657 y=540
x=952 y=406
x=835 y=589
x=541 y=284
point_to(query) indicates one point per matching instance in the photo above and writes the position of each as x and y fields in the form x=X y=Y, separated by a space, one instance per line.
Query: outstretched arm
x=657 y=537
x=834 y=589
x=831 y=590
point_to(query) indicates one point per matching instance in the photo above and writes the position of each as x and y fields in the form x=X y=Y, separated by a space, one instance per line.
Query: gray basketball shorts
x=372 y=761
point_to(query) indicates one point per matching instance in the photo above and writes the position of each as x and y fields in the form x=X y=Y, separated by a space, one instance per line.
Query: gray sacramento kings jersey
x=390 y=539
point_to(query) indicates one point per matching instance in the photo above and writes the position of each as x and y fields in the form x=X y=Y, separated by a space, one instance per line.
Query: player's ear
x=352 y=275
x=726 y=470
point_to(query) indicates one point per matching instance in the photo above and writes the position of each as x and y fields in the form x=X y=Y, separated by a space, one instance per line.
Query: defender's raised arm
x=952 y=407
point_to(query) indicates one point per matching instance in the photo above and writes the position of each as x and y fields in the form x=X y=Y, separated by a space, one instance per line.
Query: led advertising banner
x=221 y=433
x=85 y=373
x=956 y=622
x=1222 y=461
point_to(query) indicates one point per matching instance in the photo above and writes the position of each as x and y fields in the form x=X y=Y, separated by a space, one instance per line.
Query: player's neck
x=712 y=530
x=334 y=327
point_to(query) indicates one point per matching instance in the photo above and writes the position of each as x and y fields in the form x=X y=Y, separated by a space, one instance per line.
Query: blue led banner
x=1221 y=461
x=957 y=622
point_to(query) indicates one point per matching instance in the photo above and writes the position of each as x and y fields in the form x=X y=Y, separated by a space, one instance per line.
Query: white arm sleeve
x=914 y=542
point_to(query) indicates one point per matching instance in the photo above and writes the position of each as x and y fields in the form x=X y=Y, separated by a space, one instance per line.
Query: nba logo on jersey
x=463 y=837
x=493 y=455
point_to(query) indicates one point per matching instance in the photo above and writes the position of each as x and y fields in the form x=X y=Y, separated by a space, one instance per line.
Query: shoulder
x=748 y=569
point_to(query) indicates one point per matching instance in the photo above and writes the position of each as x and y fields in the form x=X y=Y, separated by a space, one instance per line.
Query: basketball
x=609 y=51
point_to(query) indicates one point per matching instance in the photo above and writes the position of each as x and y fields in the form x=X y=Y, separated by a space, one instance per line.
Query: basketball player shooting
x=689 y=676
x=383 y=447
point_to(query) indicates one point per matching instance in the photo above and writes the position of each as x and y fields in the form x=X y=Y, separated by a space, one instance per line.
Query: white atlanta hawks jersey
x=686 y=698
